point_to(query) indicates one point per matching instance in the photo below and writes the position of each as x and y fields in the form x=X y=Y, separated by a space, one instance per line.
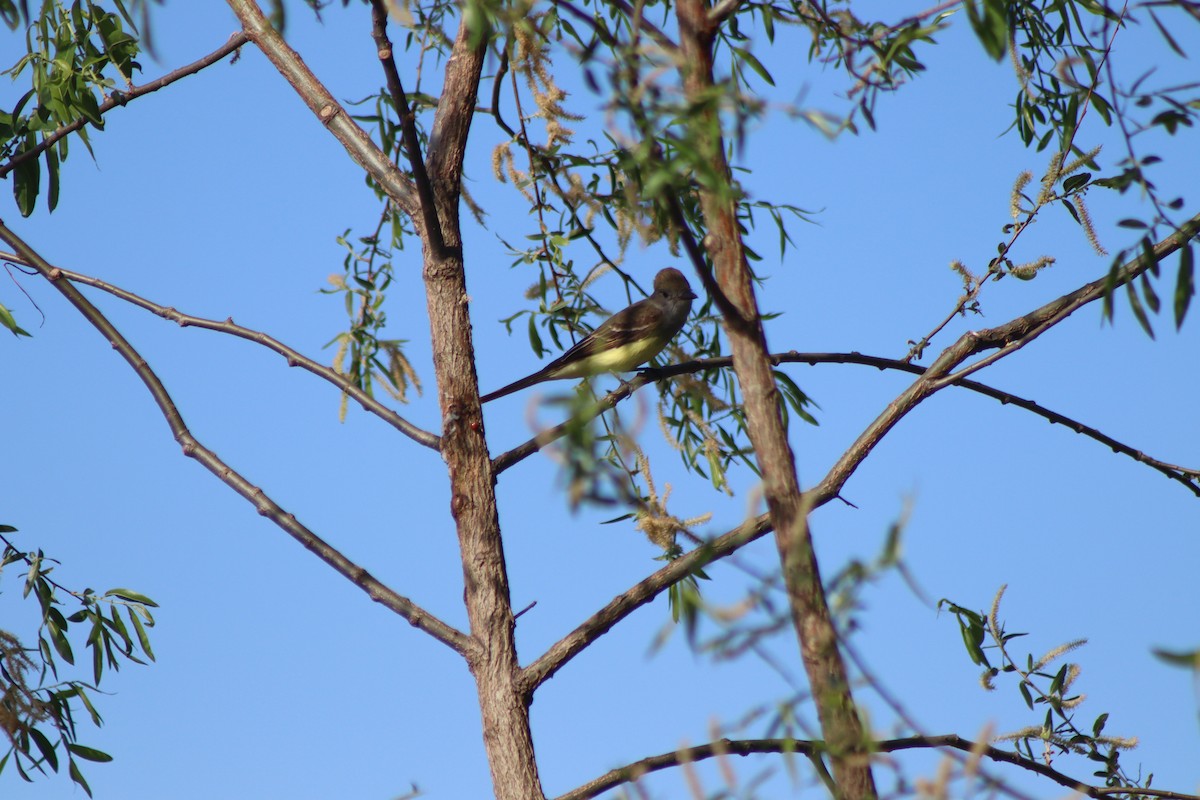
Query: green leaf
x=97 y=720
x=45 y=747
x=131 y=596
x=1025 y=694
x=89 y=753
x=1135 y=303
x=1176 y=658
x=97 y=661
x=8 y=321
x=1076 y=181
x=60 y=643
x=90 y=109
x=1185 y=285
x=52 y=177
x=77 y=776
x=1152 y=301
x=26 y=176
x=754 y=64
x=535 y=339
x=990 y=25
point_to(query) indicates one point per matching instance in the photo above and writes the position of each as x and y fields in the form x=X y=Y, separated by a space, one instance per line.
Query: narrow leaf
x=1185 y=285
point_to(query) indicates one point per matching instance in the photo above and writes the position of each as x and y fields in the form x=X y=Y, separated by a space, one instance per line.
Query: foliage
x=1044 y=682
x=73 y=55
x=361 y=353
x=38 y=710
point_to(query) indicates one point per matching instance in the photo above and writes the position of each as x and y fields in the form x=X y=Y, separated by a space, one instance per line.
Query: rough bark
x=840 y=724
x=504 y=703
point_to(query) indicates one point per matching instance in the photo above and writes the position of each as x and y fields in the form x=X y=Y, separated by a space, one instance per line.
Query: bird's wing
x=626 y=325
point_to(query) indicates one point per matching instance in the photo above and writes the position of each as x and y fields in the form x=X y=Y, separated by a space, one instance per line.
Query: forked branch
x=377 y=591
x=1005 y=339
x=329 y=111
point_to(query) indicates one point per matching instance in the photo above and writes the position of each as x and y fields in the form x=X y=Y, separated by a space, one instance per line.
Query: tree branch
x=1008 y=338
x=637 y=596
x=1033 y=324
x=504 y=708
x=377 y=591
x=1188 y=476
x=744 y=747
x=408 y=127
x=120 y=98
x=294 y=358
x=354 y=139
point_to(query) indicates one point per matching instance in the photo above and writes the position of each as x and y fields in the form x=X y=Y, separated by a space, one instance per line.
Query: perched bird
x=623 y=341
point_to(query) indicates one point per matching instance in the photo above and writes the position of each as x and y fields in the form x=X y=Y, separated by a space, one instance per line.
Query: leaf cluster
x=74 y=55
x=362 y=354
x=1043 y=682
x=38 y=710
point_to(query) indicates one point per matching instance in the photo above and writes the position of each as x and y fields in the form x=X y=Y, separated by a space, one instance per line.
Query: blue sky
x=222 y=196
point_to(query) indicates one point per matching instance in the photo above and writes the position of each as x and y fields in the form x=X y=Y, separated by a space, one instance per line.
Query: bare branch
x=294 y=358
x=1005 y=339
x=120 y=98
x=744 y=747
x=377 y=591
x=353 y=138
x=637 y=596
x=1188 y=476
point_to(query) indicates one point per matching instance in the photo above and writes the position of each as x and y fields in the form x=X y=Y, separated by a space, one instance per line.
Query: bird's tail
x=516 y=386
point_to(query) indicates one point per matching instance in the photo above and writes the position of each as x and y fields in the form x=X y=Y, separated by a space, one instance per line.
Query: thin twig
x=1005 y=339
x=1188 y=476
x=973 y=292
x=294 y=358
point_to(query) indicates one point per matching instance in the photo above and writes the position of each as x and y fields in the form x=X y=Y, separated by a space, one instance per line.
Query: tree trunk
x=840 y=724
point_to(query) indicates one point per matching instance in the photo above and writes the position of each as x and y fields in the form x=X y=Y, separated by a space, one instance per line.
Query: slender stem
x=294 y=358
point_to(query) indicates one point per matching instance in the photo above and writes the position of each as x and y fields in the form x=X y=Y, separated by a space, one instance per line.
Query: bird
x=627 y=339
